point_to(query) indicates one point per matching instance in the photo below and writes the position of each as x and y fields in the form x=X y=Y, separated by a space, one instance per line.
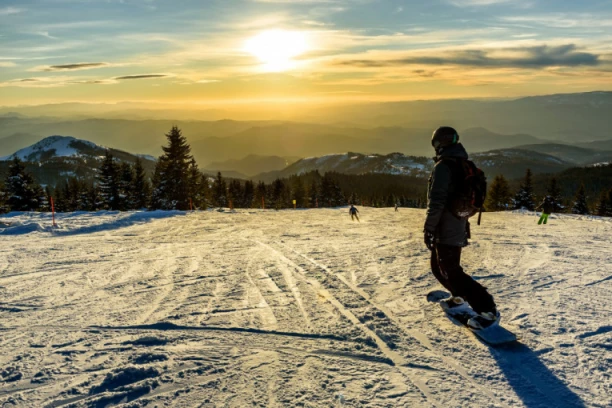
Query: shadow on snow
x=81 y=222
x=532 y=381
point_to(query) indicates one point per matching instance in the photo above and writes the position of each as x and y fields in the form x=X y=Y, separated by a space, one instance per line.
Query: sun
x=276 y=49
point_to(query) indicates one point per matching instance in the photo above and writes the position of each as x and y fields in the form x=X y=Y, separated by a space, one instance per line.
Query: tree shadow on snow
x=532 y=381
x=134 y=218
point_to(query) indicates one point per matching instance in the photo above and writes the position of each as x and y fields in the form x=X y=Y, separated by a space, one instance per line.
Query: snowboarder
x=446 y=234
x=353 y=211
x=547 y=205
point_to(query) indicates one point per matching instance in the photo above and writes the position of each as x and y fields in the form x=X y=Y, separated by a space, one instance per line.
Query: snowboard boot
x=483 y=320
x=454 y=304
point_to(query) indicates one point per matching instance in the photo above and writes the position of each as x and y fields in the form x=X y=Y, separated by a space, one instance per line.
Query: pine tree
x=313 y=194
x=524 y=197
x=299 y=192
x=604 y=206
x=22 y=193
x=331 y=194
x=260 y=195
x=554 y=192
x=580 y=202
x=235 y=193
x=220 y=192
x=126 y=181
x=249 y=194
x=141 y=188
x=499 y=196
x=198 y=199
x=4 y=208
x=108 y=182
x=278 y=189
x=171 y=180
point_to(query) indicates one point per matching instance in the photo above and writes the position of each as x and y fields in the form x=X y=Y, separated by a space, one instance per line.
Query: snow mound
x=21 y=228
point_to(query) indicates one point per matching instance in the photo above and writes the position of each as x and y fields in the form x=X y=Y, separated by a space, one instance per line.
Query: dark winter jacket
x=448 y=229
x=547 y=206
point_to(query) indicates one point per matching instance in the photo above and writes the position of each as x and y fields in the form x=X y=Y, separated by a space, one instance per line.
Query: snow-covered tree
x=171 y=179
x=22 y=192
x=499 y=196
x=524 y=197
x=580 y=202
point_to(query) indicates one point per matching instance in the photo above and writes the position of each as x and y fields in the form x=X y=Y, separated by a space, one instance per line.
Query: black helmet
x=444 y=136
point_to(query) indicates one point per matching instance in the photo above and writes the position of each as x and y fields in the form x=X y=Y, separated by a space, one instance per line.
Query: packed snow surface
x=296 y=308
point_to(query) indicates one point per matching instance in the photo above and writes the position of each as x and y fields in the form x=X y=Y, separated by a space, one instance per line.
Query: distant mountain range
x=59 y=157
x=380 y=128
x=251 y=165
x=512 y=163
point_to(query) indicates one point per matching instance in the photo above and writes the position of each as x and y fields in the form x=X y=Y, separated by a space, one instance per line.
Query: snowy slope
x=55 y=158
x=54 y=146
x=296 y=308
x=356 y=163
x=509 y=162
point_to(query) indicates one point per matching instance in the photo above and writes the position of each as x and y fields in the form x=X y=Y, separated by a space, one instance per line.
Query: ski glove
x=430 y=240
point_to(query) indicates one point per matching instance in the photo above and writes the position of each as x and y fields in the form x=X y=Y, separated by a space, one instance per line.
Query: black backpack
x=471 y=189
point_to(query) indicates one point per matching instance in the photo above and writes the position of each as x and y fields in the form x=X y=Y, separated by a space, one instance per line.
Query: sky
x=254 y=51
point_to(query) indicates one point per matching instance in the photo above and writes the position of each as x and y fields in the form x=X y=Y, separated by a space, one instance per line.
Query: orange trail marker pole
x=53 y=212
x=190 y=204
x=263 y=204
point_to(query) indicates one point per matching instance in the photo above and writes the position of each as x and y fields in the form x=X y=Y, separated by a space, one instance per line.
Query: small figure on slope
x=396 y=207
x=353 y=211
x=547 y=206
x=447 y=229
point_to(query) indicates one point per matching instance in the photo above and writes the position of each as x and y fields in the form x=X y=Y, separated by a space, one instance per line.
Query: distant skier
x=353 y=211
x=547 y=205
x=446 y=233
x=396 y=207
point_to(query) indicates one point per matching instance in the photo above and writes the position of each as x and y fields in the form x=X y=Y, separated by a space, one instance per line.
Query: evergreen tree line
x=178 y=184
x=500 y=198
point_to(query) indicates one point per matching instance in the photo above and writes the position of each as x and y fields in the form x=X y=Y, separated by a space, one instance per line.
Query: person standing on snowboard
x=547 y=205
x=353 y=211
x=446 y=234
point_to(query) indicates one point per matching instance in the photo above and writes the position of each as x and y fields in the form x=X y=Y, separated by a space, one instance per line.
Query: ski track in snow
x=296 y=308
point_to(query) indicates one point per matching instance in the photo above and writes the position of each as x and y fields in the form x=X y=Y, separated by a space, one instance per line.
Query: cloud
x=541 y=56
x=72 y=67
x=7 y=64
x=142 y=76
x=481 y=3
x=10 y=10
x=562 y=20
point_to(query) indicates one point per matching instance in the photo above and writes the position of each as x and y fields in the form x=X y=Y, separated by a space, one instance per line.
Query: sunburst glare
x=276 y=49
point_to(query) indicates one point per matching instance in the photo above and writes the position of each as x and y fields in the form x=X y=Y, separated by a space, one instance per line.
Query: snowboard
x=495 y=335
